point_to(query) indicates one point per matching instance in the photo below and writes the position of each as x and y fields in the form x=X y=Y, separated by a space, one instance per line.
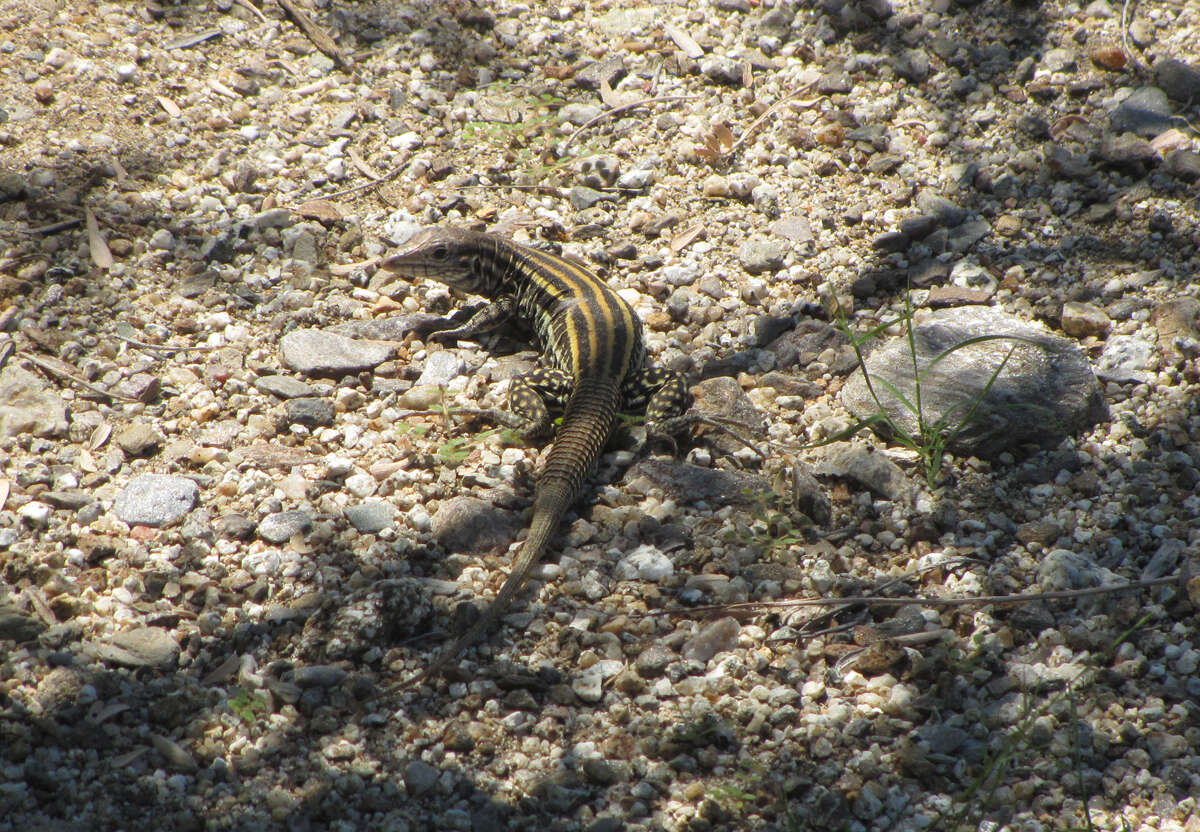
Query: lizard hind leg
x=529 y=397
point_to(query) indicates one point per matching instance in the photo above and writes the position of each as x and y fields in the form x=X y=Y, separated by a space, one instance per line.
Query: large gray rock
x=156 y=500
x=315 y=352
x=1045 y=391
x=27 y=405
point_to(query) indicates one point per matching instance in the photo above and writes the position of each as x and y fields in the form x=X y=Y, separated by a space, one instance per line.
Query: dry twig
x=61 y=373
x=616 y=111
x=314 y=33
x=142 y=345
x=982 y=600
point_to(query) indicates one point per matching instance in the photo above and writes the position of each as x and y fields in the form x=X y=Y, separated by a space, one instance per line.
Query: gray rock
x=419 y=778
x=19 y=628
x=713 y=638
x=1063 y=569
x=722 y=70
x=28 y=406
x=1079 y=320
x=1127 y=358
x=371 y=517
x=583 y=198
x=310 y=411
x=319 y=676
x=796 y=229
x=777 y=23
x=235 y=526
x=759 y=256
x=440 y=367
x=589 y=685
x=1058 y=60
x=610 y=69
x=156 y=500
x=1165 y=558
x=139 y=439
x=141 y=647
x=387 y=329
x=316 y=352
x=1017 y=409
x=275 y=218
x=968 y=234
x=857 y=462
x=162 y=240
x=71 y=499
x=605 y=772
x=1183 y=164
x=645 y=563
x=1126 y=149
x=470 y=525
x=692 y=484
x=652 y=662
x=281 y=526
x=284 y=387
x=1144 y=112
x=947 y=213
x=1177 y=79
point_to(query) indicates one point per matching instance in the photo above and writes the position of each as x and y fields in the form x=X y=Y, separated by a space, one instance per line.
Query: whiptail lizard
x=594 y=365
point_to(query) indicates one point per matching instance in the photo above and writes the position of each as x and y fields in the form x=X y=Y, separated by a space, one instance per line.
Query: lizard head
x=453 y=256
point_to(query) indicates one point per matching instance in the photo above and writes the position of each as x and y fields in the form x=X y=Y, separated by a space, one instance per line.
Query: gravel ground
x=224 y=546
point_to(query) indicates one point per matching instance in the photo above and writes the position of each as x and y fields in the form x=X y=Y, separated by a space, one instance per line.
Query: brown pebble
x=1109 y=57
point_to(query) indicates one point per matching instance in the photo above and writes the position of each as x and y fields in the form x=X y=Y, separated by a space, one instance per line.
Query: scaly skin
x=594 y=362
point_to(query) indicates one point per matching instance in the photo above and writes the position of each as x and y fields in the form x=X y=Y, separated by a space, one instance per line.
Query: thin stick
x=246 y=4
x=878 y=601
x=165 y=347
x=374 y=182
x=1125 y=30
x=749 y=131
x=314 y=33
x=61 y=373
x=616 y=111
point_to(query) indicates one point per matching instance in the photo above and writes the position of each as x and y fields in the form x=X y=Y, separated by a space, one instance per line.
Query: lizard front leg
x=485 y=320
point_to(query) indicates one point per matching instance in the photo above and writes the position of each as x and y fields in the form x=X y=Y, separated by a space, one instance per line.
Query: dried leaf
x=86 y=462
x=686 y=43
x=1063 y=124
x=612 y=99
x=171 y=108
x=174 y=753
x=318 y=209
x=1169 y=140
x=184 y=41
x=223 y=671
x=361 y=164
x=221 y=89
x=711 y=151
x=686 y=237
x=99 y=436
x=101 y=256
x=129 y=757
x=747 y=75
x=5 y=489
x=108 y=711
x=122 y=174
x=724 y=134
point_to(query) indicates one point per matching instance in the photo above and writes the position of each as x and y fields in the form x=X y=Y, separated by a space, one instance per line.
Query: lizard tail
x=587 y=422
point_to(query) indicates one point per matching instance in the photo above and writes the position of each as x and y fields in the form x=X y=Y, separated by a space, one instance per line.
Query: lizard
x=594 y=364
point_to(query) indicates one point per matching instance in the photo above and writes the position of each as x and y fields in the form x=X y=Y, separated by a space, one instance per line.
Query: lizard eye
x=440 y=252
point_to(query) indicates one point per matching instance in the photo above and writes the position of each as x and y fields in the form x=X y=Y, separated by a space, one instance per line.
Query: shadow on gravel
x=322 y=781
